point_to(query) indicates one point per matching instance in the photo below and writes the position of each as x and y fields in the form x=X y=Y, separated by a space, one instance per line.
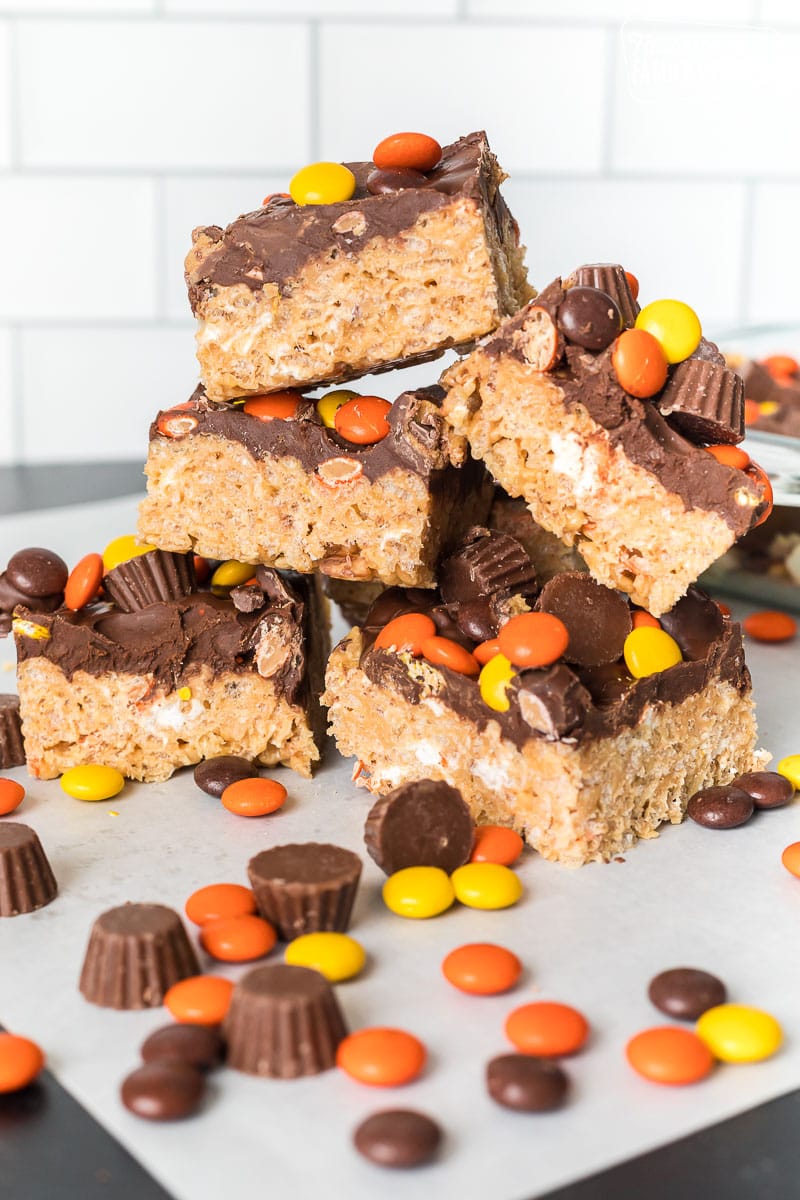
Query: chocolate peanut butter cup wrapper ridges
x=704 y=401
x=305 y=887
x=26 y=879
x=12 y=750
x=135 y=954
x=283 y=1022
x=150 y=578
x=611 y=279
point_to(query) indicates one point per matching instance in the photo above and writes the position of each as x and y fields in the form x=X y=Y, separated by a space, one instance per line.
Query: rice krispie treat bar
x=232 y=482
x=601 y=428
x=620 y=723
x=177 y=681
x=409 y=265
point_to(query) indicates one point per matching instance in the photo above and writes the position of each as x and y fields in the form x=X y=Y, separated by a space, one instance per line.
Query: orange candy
x=640 y=618
x=730 y=456
x=282 y=405
x=254 y=797
x=238 y=939
x=486 y=650
x=201 y=568
x=791 y=859
x=633 y=284
x=21 y=1060
x=668 y=1054
x=406 y=632
x=534 y=639
x=274 y=196
x=362 y=420
x=496 y=844
x=723 y=608
x=176 y=422
x=446 y=653
x=407 y=152
x=780 y=365
x=759 y=476
x=11 y=796
x=199 y=1000
x=769 y=626
x=546 y=1029
x=381 y=1057
x=219 y=900
x=84 y=581
x=640 y=363
x=482 y=969
x=752 y=412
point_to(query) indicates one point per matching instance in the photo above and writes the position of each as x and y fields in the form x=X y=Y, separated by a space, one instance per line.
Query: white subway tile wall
x=656 y=132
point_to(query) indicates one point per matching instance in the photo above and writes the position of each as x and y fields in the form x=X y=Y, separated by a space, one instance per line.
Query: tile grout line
x=314 y=93
x=160 y=242
x=747 y=247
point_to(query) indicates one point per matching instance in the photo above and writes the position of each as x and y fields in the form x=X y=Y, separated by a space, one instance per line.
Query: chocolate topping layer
x=172 y=639
x=418 y=439
x=637 y=426
x=274 y=244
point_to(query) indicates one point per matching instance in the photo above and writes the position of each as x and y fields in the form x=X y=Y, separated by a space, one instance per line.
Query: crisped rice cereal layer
x=124 y=721
x=575 y=803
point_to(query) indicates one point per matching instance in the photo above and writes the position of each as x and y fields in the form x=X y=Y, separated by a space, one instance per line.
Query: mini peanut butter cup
x=305 y=887
x=283 y=1022
x=12 y=750
x=486 y=563
x=135 y=954
x=704 y=401
x=149 y=579
x=611 y=279
x=26 y=879
x=421 y=824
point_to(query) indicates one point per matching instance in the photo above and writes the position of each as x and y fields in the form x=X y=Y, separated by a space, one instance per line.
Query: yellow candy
x=22 y=628
x=418 y=892
x=493 y=682
x=768 y=408
x=92 y=782
x=232 y=574
x=648 y=650
x=673 y=324
x=790 y=768
x=322 y=183
x=335 y=955
x=328 y=406
x=486 y=885
x=185 y=693
x=735 y=1033
x=122 y=549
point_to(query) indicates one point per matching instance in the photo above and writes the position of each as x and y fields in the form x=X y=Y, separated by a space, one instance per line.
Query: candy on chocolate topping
x=686 y=993
x=597 y=619
x=12 y=749
x=305 y=887
x=704 y=401
x=26 y=878
x=398 y=1137
x=136 y=952
x=380 y=183
x=526 y=1084
x=615 y=282
x=486 y=564
x=722 y=807
x=148 y=579
x=423 y=824
x=589 y=318
x=163 y=1091
x=283 y=1022
x=36 y=572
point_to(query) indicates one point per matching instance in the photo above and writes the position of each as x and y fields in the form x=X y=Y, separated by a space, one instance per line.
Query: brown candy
x=150 y=578
x=704 y=401
x=686 y=993
x=398 y=1137
x=213 y=775
x=12 y=750
x=381 y=182
x=589 y=318
x=695 y=623
x=552 y=702
x=422 y=824
x=135 y=954
x=11 y=596
x=37 y=572
x=611 y=279
x=486 y=564
x=722 y=807
x=525 y=1083
x=247 y=598
x=26 y=879
x=283 y=1022
x=305 y=887
x=598 y=619
x=767 y=788
x=198 y=1046
x=161 y=1091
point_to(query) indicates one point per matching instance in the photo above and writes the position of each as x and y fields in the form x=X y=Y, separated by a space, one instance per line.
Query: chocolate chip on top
x=589 y=318
x=598 y=619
